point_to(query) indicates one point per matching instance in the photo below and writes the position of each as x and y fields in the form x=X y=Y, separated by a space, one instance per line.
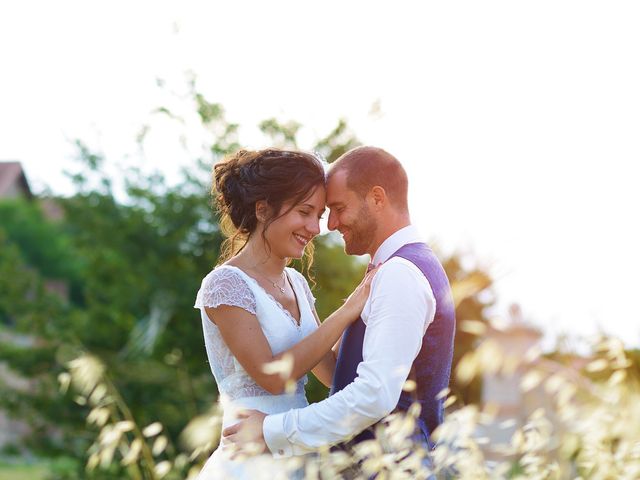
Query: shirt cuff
x=274 y=437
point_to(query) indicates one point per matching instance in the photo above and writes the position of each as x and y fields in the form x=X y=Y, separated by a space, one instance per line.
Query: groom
x=405 y=331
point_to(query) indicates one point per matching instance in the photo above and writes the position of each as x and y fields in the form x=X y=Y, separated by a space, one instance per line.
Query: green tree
x=135 y=260
x=133 y=248
x=473 y=296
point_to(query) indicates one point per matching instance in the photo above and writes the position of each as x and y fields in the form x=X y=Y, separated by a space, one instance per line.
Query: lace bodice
x=228 y=285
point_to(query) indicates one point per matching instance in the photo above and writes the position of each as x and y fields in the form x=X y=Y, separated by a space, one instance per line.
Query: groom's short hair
x=367 y=167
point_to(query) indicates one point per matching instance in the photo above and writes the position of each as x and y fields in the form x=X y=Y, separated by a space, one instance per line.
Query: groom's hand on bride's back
x=246 y=435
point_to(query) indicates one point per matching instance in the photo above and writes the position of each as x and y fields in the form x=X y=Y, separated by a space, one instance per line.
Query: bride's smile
x=289 y=233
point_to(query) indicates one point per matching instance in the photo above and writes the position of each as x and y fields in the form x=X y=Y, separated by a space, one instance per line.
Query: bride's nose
x=313 y=227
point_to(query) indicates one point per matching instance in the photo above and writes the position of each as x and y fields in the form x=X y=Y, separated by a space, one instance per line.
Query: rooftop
x=11 y=173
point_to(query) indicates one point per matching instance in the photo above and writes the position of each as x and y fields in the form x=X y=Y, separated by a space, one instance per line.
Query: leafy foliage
x=132 y=251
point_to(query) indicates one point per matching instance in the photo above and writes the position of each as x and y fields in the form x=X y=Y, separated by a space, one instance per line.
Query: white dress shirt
x=397 y=313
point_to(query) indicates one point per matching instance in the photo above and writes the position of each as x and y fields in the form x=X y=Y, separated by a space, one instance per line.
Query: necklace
x=275 y=285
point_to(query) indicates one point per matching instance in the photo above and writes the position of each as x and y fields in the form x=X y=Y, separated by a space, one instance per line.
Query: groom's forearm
x=331 y=421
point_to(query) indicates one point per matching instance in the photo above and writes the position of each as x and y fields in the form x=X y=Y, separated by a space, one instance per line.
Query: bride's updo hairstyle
x=246 y=177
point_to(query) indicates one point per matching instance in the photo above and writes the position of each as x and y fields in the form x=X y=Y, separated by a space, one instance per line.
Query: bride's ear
x=263 y=211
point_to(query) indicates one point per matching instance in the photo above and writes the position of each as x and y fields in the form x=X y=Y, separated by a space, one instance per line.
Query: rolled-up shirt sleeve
x=399 y=309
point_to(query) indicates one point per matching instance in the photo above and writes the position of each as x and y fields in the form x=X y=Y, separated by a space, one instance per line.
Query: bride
x=255 y=310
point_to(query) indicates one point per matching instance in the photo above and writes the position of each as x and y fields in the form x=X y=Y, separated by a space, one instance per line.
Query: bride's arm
x=325 y=369
x=243 y=335
x=327 y=365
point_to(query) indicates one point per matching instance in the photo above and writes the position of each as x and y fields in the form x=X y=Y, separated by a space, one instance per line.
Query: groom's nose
x=332 y=222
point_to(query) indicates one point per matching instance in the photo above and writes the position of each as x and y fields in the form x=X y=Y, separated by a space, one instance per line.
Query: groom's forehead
x=336 y=186
x=337 y=181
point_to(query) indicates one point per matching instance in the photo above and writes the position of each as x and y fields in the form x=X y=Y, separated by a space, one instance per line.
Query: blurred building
x=13 y=182
x=505 y=393
x=502 y=392
x=14 y=185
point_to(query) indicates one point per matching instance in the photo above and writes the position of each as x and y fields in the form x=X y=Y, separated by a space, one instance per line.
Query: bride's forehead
x=316 y=198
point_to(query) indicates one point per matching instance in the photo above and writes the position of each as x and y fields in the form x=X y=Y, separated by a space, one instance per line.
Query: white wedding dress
x=228 y=285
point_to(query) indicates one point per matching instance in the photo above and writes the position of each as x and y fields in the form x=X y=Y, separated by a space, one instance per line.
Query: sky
x=518 y=122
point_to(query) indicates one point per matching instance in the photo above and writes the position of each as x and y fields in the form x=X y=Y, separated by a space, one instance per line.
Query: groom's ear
x=378 y=197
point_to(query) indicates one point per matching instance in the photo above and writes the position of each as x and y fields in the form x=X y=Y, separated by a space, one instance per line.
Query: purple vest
x=431 y=368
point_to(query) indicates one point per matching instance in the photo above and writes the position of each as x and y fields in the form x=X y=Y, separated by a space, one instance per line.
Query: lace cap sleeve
x=225 y=286
x=307 y=291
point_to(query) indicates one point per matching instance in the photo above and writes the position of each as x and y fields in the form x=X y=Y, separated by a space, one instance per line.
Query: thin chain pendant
x=278 y=287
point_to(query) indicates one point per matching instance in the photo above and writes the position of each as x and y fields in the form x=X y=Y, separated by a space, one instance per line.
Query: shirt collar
x=393 y=242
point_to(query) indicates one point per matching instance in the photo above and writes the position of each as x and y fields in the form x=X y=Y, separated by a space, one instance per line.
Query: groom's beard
x=361 y=232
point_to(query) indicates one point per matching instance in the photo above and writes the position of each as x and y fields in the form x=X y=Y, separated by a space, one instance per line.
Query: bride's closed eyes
x=306 y=212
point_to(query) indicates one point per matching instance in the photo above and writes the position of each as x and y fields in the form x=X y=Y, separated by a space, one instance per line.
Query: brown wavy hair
x=246 y=177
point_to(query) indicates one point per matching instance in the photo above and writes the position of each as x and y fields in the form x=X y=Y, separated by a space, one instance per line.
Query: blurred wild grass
x=22 y=472
x=587 y=426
